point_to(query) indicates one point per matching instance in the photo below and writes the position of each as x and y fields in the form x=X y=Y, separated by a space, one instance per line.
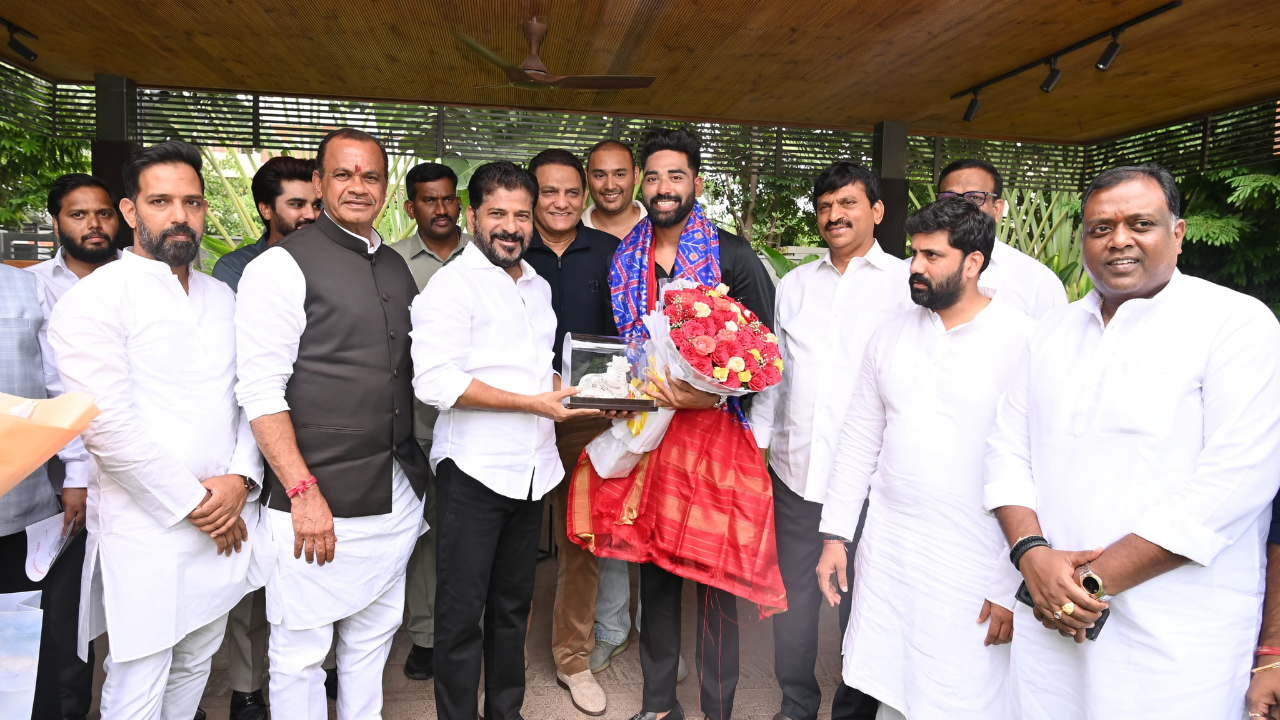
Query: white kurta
x=1023 y=282
x=161 y=363
x=914 y=438
x=372 y=552
x=1165 y=423
x=823 y=319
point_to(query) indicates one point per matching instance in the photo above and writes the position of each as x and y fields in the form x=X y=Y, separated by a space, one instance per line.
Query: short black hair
x=425 y=173
x=681 y=140
x=1114 y=176
x=73 y=181
x=168 y=152
x=611 y=144
x=966 y=163
x=556 y=156
x=968 y=229
x=501 y=174
x=349 y=133
x=843 y=172
x=268 y=182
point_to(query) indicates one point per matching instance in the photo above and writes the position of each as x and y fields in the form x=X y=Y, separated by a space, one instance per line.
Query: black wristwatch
x=249 y=483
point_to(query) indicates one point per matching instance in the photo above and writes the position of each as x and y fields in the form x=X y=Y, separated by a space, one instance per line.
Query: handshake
x=218 y=514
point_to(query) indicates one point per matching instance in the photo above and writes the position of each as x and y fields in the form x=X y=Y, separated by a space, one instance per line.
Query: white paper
x=44 y=543
x=20 y=618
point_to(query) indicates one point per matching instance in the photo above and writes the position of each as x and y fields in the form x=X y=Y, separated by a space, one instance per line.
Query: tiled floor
x=758 y=695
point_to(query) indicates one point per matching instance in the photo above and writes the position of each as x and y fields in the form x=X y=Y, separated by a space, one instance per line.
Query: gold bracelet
x=1272 y=666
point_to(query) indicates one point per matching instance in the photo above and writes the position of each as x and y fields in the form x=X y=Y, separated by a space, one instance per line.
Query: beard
x=673 y=217
x=174 y=254
x=92 y=256
x=941 y=296
x=279 y=225
x=497 y=257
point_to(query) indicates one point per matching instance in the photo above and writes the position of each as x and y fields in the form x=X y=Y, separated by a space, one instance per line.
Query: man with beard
x=676 y=241
x=482 y=337
x=432 y=190
x=912 y=440
x=611 y=178
x=177 y=471
x=85 y=220
x=286 y=200
x=1023 y=281
x=322 y=328
x=1132 y=467
x=825 y=314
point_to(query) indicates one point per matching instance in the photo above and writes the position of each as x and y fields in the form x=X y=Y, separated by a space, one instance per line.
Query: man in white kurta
x=1146 y=421
x=322 y=322
x=930 y=561
x=154 y=341
x=1022 y=281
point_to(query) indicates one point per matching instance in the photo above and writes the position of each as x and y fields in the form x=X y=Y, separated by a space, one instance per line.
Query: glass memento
x=606 y=371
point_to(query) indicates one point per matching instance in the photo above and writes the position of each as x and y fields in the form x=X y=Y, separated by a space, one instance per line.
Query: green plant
x=782 y=264
x=29 y=162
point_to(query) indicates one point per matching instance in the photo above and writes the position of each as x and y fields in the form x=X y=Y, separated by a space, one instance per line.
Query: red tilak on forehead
x=357 y=167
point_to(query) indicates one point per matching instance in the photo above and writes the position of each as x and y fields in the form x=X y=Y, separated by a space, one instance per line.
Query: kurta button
x=395 y=372
x=397 y=412
x=385 y=297
x=393 y=334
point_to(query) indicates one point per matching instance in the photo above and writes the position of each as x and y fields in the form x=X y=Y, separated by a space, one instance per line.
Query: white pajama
x=364 y=642
x=165 y=685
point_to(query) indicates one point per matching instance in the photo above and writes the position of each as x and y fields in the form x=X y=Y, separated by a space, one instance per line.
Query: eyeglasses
x=977 y=197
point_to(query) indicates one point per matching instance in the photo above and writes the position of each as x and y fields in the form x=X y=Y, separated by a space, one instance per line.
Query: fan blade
x=485 y=52
x=604 y=82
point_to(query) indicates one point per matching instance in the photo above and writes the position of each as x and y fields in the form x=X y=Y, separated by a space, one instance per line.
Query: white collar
x=372 y=245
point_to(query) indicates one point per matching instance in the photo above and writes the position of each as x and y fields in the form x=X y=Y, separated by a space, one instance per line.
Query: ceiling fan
x=533 y=75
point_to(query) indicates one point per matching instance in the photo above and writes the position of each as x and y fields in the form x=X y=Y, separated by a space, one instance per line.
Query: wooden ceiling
x=834 y=63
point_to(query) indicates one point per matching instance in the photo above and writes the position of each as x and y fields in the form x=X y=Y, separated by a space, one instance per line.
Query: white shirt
x=473 y=323
x=161 y=364
x=1023 y=282
x=73 y=456
x=372 y=550
x=1165 y=423
x=55 y=277
x=823 y=320
x=929 y=556
x=586 y=214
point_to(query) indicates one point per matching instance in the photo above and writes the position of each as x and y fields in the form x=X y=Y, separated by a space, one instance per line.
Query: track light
x=1109 y=55
x=16 y=45
x=1052 y=78
x=972 y=110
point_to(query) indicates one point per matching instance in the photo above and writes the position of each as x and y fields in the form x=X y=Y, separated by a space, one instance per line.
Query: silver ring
x=1057 y=615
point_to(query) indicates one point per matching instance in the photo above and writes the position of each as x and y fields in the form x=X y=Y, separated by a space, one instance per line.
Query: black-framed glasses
x=977 y=197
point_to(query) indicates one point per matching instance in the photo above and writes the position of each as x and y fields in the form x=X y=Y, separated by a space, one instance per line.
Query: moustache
x=94 y=236
x=515 y=237
x=179 y=229
x=919 y=278
x=833 y=224
x=442 y=216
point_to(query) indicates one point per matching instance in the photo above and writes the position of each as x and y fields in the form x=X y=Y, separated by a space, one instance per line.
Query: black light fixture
x=1053 y=77
x=1103 y=63
x=1109 y=55
x=16 y=45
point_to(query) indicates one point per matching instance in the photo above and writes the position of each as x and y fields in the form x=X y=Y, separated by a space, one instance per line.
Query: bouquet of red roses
x=702 y=336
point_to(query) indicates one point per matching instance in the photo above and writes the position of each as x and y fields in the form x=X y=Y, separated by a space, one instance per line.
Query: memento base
x=621 y=405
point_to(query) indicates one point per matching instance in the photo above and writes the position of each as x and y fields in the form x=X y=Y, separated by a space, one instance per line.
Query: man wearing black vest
x=322 y=334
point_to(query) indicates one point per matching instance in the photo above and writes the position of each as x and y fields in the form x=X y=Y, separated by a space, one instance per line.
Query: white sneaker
x=585 y=692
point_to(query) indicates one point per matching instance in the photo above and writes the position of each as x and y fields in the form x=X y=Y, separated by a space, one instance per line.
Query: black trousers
x=64 y=683
x=716 y=654
x=851 y=703
x=486 y=557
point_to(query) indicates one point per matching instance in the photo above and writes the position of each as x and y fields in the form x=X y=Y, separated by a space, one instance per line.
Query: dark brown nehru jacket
x=351 y=392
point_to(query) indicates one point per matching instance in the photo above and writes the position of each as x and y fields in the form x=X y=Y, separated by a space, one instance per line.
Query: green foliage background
x=28 y=164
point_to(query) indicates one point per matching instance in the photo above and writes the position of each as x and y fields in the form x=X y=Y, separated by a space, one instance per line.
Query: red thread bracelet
x=1267 y=650
x=301 y=487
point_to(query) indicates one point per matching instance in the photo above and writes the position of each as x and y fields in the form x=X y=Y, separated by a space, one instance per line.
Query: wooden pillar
x=116 y=130
x=889 y=161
